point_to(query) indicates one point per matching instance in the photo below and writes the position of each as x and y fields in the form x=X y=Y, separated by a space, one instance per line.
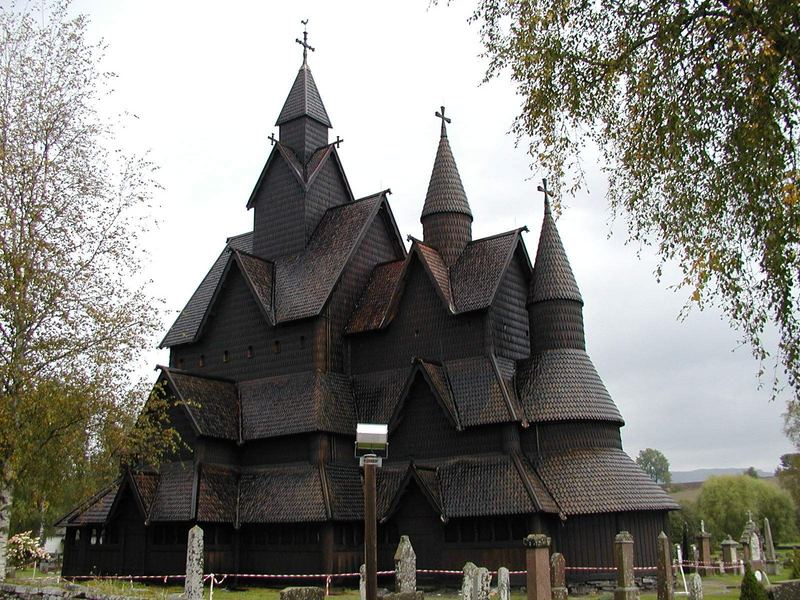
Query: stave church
x=471 y=350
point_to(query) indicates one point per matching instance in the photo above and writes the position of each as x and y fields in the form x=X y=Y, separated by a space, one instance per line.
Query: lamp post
x=372 y=447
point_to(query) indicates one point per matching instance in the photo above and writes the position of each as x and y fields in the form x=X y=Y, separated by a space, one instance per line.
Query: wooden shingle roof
x=175 y=494
x=297 y=403
x=304 y=100
x=445 y=190
x=282 y=494
x=212 y=403
x=596 y=480
x=291 y=287
x=552 y=274
x=470 y=284
x=563 y=385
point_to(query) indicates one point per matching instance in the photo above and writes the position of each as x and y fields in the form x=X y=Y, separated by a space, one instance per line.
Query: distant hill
x=703 y=474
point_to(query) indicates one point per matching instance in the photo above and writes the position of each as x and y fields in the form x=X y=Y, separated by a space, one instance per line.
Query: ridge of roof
x=261 y=284
x=445 y=191
x=88 y=503
x=437 y=269
x=553 y=278
x=303 y=100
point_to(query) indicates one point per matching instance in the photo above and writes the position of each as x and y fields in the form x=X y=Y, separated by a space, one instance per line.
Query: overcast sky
x=206 y=82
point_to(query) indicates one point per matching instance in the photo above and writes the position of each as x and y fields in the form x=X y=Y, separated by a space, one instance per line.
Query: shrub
x=23 y=549
x=751 y=588
x=796 y=564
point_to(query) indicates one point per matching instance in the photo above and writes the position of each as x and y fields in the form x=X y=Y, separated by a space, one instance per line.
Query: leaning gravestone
x=193 y=588
x=695 y=587
x=405 y=565
x=503 y=584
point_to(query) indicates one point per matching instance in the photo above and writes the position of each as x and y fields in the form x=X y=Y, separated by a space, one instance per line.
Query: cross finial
x=272 y=139
x=338 y=141
x=304 y=43
x=749 y=516
x=547 y=194
x=444 y=120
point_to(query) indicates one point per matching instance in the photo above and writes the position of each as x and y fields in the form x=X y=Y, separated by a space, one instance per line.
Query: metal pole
x=370 y=528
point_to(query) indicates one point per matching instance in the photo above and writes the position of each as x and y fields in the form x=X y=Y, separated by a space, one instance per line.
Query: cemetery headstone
x=771 y=559
x=729 y=557
x=468 y=583
x=362 y=582
x=193 y=587
x=664 y=569
x=623 y=559
x=483 y=584
x=695 y=587
x=558 y=579
x=302 y=593
x=503 y=584
x=704 y=550
x=405 y=564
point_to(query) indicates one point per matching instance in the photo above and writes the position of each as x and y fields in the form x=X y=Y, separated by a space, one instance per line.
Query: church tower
x=303 y=176
x=303 y=122
x=555 y=305
x=446 y=217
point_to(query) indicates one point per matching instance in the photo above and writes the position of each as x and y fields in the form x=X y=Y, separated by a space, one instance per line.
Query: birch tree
x=73 y=313
x=695 y=107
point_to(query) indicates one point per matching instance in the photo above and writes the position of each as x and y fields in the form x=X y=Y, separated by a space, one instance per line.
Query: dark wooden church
x=321 y=318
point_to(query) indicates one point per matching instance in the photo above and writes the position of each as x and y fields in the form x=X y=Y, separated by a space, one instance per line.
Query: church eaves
x=552 y=275
x=304 y=100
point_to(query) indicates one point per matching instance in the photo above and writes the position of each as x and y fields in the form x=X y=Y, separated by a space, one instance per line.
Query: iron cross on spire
x=304 y=43
x=543 y=188
x=442 y=117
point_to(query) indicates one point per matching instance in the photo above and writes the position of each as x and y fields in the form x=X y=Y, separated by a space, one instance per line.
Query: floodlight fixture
x=372 y=442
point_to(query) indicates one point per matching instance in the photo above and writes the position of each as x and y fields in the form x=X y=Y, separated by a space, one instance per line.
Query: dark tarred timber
x=320 y=318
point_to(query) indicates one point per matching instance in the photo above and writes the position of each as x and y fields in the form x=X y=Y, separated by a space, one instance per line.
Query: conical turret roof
x=552 y=275
x=445 y=190
x=304 y=100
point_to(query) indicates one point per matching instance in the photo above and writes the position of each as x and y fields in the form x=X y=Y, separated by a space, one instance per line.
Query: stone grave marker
x=405 y=564
x=623 y=559
x=193 y=587
x=695 y=587
x=503 y=584
x=769 y=550
x=558 y=577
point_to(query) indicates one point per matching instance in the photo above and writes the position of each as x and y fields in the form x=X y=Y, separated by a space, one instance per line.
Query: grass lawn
x=718 y=587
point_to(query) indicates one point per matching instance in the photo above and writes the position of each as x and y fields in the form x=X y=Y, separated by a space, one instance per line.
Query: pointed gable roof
x=304 y=100
x=552 y=275
x=470 y=284
x=300 y=283
x=304 y=174
x=445 y=190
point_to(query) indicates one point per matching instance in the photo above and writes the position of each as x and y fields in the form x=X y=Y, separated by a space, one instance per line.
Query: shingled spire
x=446 y=216
x=303 y=120
x=555 y=305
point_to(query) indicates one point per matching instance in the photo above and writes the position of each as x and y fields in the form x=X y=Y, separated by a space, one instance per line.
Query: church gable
x=327 y=188
x=508 y=314
x=421 y=325
x=421 y=425
x=278 y=199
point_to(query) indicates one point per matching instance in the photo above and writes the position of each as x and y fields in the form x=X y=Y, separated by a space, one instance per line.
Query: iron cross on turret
x=543 y=188
x=442 y=117
x=304 y=43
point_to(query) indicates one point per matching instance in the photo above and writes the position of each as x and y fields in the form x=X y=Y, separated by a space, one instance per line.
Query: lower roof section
x=598 y=480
